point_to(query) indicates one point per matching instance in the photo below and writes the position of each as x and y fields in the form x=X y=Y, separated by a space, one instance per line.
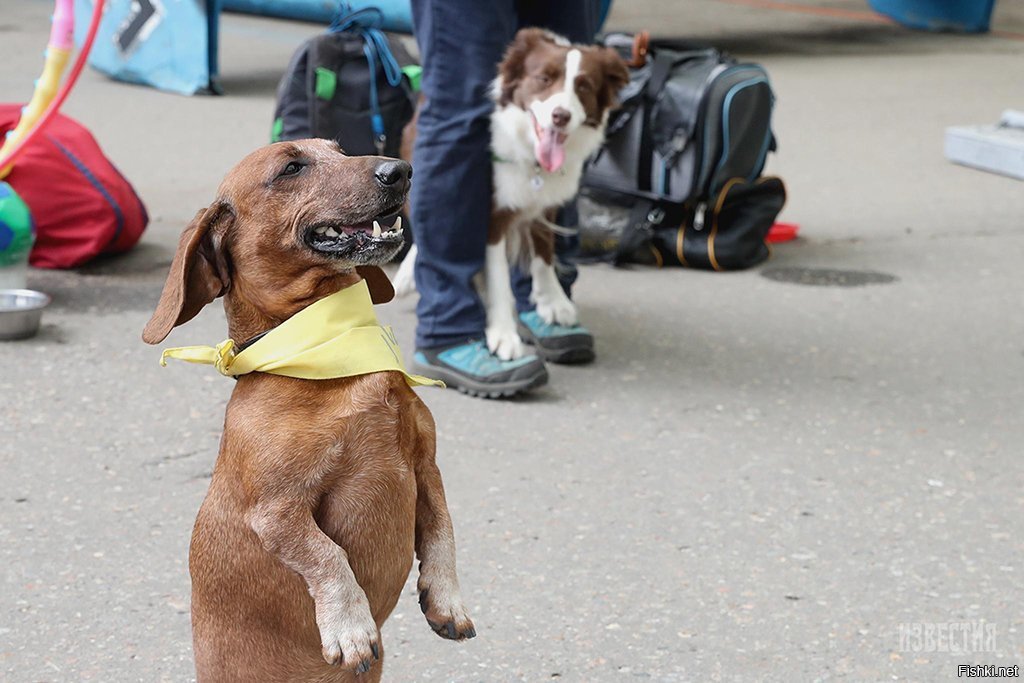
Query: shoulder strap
x=662 y=65
x=663 y=61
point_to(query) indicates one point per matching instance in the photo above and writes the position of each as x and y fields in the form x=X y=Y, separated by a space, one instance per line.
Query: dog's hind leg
x=438 y=583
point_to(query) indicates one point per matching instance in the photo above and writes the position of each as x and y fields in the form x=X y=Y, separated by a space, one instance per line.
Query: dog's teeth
x=331 y=232
x=397 y=227
x=376 y=229
x=321 y=230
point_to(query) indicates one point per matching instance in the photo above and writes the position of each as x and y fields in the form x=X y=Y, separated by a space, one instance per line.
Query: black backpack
x=678 y=178
x=350 y=84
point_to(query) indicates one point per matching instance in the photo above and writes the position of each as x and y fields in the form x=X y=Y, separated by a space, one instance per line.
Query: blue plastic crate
x=962 y=16
x=397 y=13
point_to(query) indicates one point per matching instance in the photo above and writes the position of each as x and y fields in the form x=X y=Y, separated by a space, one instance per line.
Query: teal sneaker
x=472 y=369
x=557 y=343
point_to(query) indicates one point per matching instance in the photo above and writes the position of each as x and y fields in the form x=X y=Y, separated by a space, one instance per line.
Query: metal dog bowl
x=20 y=312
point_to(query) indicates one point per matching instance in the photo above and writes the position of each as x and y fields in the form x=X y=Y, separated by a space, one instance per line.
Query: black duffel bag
x=678 y=178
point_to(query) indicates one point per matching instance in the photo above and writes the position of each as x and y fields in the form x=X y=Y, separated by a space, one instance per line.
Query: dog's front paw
x=350 y=638
x=505 y=343
x=558 y=312
x=446 y=614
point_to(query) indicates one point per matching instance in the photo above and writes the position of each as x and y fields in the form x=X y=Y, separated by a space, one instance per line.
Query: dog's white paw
x=504 y=342
x=349 y=637
x=560 y=312
x=445 y=612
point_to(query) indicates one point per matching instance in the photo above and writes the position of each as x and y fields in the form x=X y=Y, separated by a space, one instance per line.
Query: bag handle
x=641 y=46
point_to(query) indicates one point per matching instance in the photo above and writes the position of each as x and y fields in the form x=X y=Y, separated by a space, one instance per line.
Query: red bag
x=82 y=206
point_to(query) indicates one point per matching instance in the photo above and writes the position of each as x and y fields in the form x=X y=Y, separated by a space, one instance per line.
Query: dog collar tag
x=537 y=182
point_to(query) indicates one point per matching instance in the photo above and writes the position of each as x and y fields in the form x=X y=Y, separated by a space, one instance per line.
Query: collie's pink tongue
x=550 y=149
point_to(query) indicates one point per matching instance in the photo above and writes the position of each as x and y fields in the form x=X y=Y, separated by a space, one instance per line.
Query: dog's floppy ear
x=616 y=75
x=198 y=275
x=381 y=290
x=512 y=67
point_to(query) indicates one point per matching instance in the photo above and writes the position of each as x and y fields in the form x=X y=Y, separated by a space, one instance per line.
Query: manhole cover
x=827 y=277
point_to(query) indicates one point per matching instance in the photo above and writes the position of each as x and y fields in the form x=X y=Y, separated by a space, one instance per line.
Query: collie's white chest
x=531 y=190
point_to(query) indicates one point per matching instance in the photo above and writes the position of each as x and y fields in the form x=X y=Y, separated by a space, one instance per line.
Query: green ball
x=17 y=231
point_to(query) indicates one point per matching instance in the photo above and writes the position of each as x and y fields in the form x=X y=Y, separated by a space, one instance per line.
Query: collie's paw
x=561 y=312
x=447 y=616
x=350 y=641
x=505 y=343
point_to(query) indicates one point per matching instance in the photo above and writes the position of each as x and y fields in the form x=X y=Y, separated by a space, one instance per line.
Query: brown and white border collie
x=552 y=100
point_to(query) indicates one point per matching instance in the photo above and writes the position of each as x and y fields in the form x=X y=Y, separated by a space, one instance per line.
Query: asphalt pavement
x=767 y=475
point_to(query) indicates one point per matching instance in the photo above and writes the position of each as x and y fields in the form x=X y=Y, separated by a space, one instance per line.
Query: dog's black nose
x=560 y=117
x=394 y=172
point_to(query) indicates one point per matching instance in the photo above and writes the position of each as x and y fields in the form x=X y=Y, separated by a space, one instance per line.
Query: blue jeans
x=461 y=43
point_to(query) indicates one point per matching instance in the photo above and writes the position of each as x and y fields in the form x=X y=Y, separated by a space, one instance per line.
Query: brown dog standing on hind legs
x=324 y=488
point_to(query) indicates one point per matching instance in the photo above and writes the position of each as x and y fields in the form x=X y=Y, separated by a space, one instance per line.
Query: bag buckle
x=698 y=217
x=655 y=216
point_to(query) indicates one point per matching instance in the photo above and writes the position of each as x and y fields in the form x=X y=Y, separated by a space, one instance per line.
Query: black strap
x=645 y=159
x=663 y=62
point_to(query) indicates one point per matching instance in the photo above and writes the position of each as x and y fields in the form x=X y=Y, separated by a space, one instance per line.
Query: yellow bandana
x=338 y=336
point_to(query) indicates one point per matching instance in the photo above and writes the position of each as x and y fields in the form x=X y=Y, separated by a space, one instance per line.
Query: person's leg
x=567 y=247
x=461 y=43
x=577 y=20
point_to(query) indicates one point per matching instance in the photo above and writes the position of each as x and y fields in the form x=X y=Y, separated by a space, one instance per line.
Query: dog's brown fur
x=323 y=489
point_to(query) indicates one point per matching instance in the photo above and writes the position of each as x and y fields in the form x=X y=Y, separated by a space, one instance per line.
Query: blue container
x=168 y=45
x=397 y=13
x=961 y=16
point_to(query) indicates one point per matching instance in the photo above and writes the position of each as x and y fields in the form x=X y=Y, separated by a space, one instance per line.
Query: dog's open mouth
x=549 y=148
x=371 y=241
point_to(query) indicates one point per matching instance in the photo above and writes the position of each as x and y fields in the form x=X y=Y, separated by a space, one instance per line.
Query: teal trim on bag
x=725 y=120
x=725 y=127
